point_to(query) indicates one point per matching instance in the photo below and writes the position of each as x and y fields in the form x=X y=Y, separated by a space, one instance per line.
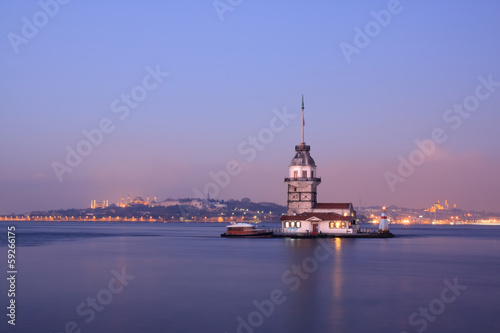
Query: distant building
x=196 y=203
x=219 y=205
x=437 y=206
x=122 y=203
x=305 y=215
x=138 y=201
x=98 y=204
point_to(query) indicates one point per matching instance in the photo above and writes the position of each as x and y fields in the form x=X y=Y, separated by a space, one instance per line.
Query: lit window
x=332 y=225
x=295 y=174
x=337 y=225
x=343 y=224
x=298 y=224
x=292 y=224
x=287 y=224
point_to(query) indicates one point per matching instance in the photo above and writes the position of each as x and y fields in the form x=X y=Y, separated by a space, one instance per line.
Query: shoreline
x=114 y=220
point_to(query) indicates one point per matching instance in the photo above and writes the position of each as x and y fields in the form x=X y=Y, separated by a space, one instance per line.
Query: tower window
x=304 y=174
x=312 y=174
x=295 y=174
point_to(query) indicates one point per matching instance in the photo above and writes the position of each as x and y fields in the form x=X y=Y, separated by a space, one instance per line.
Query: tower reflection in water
x=315 y=284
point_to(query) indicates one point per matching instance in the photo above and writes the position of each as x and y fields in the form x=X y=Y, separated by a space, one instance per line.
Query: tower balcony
x=302 y=147
x=303 y=179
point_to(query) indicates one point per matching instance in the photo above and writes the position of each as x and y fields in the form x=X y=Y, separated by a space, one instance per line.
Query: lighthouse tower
x=384 y=225
x=302 y=180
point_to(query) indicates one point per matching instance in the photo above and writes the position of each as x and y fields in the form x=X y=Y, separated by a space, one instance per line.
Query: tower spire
x=303 y=123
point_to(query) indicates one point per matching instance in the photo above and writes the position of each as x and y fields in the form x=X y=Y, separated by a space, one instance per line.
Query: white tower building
x=305 y=215
x=302 y=180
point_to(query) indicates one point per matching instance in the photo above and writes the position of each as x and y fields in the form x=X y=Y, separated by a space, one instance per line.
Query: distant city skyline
x=176 y=100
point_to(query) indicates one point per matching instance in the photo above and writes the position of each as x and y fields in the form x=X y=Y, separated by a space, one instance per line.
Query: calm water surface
x=179 y=277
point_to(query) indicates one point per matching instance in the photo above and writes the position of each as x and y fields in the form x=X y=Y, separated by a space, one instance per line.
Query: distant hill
x=184 y=209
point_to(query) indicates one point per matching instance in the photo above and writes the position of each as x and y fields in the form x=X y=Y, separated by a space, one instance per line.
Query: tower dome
x=302 y=156
x=302 y=164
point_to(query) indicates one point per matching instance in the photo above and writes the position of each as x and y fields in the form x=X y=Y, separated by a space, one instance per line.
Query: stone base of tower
x=370 y=233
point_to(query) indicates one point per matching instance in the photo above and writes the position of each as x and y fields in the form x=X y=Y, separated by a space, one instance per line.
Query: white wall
x=292 y=169
x=304 y=226
x=323 y=227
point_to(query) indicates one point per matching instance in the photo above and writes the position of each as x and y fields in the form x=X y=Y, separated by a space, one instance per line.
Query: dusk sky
x=376 y=76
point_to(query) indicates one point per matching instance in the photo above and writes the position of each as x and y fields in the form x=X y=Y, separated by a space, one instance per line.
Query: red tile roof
x=321 y=216
x=335 y=205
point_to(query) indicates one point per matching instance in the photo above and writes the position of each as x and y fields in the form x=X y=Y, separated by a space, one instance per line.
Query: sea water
x=183 y=277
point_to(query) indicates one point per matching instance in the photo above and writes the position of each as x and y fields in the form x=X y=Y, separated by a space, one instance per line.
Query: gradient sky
x=225 y=79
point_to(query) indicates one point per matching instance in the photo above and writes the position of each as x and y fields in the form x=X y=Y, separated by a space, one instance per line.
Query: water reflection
x=315 y=295
x=337 y=269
